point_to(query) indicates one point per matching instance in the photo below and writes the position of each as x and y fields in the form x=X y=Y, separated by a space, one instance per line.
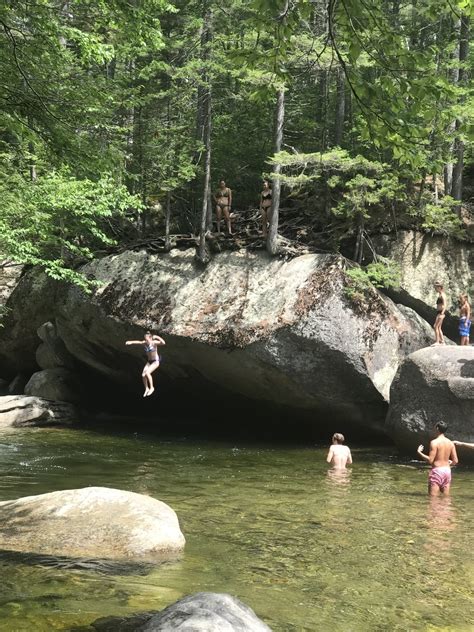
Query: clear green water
x=307 y=550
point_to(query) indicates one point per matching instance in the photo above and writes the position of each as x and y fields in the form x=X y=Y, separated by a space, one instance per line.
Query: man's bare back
x=441 y=456
x=339 y=455
x=442 y=451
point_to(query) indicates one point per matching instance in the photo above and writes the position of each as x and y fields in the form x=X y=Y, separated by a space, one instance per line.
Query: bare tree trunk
x=454 y=77
x=167 y=222
x=340 y=108
x=272 y=238
x=459 y=143
x=202 y=254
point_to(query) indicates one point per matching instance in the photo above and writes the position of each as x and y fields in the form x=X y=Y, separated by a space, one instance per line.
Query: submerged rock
x=21 y=410
x=206 y=612
x=95 y=522
x=434 y=384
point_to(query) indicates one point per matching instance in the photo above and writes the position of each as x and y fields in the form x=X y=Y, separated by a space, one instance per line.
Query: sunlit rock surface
x=202 y=612
x=275 y=331
x=94 y=522
x=424 y=259
x=21 y=410
x=434 y=384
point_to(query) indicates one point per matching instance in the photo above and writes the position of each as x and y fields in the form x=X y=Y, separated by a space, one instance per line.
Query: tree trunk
x=340 y=108
x=459 y=143
x=167 y=221
x=454 y=78
x=272 y=238
x=202 y=254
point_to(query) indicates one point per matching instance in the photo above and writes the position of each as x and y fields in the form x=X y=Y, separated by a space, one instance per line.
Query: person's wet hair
x=441 y=426
x=337 y=436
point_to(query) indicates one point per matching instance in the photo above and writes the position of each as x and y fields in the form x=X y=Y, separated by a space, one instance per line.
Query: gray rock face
x=95 y=522
x=271 y=330
x=434 y=384
x=424 y=259
x=59 y=385
x=202 y=612
x=17 y=385
x=52 y=352
x=19 y=410
x=32 y=302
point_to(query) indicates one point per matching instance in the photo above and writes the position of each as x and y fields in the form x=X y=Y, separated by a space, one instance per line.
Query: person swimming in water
x=441 y=313
x=223 y=200
x=339 y=455
x=151 y=343
x=464 y=319
x=441 y=456
x=265 y=205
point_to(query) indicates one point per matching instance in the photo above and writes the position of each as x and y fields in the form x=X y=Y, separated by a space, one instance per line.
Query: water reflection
x=441 y=514
x=339 y=477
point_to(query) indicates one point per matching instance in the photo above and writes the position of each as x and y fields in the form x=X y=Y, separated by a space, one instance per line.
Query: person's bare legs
x=439 y=338
x=227 y=219
x=145 y=380
x=464 y=341
x=219 y=218
x=150 y=369
x=433 y=489
x=264 y=222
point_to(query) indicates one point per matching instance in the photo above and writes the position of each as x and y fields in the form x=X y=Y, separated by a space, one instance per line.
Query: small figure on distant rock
x=265 y=205
x=464 y=319
x=442 y=455
x=151 y=343
x=339 y=455
x=223 y=200
x=441 y=309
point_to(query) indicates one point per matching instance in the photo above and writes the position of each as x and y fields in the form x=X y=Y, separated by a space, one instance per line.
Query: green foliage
x=382 y=273
x=57 y=220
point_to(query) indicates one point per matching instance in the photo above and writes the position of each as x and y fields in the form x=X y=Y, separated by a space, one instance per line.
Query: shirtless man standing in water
x=339 y=455
x=442 y=455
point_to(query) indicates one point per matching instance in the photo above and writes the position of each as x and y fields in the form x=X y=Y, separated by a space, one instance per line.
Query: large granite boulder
x=59 y=384
x=19 y=410
x=31 y=303
x=52 y=352
x=424 y=259
x=271 y=330
x=94 y=522
x=433 y=384
x=202 y=612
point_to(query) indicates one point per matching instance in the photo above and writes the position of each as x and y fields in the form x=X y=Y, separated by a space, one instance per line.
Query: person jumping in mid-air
x=151 y=344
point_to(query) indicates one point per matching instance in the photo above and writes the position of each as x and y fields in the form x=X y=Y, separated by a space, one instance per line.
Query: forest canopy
x=120 y=117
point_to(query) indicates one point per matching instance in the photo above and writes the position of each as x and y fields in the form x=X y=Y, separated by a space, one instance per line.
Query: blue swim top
x=149 y=348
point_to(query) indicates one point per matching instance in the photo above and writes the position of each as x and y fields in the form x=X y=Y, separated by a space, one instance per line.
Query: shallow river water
x=306 y=549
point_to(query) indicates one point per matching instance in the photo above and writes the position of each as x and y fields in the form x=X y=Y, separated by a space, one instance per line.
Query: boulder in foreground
x=94 y=522
x=202 y=612
x=433 y=384
x=21 y=410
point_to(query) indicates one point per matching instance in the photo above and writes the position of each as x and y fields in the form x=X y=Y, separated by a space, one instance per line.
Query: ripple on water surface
x=307 y=549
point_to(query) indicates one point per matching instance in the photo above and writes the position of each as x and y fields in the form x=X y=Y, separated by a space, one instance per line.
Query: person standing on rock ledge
x=339 y=455
x=441 y=309
x=442 y=455
x=151 y=343
x=464 y=319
